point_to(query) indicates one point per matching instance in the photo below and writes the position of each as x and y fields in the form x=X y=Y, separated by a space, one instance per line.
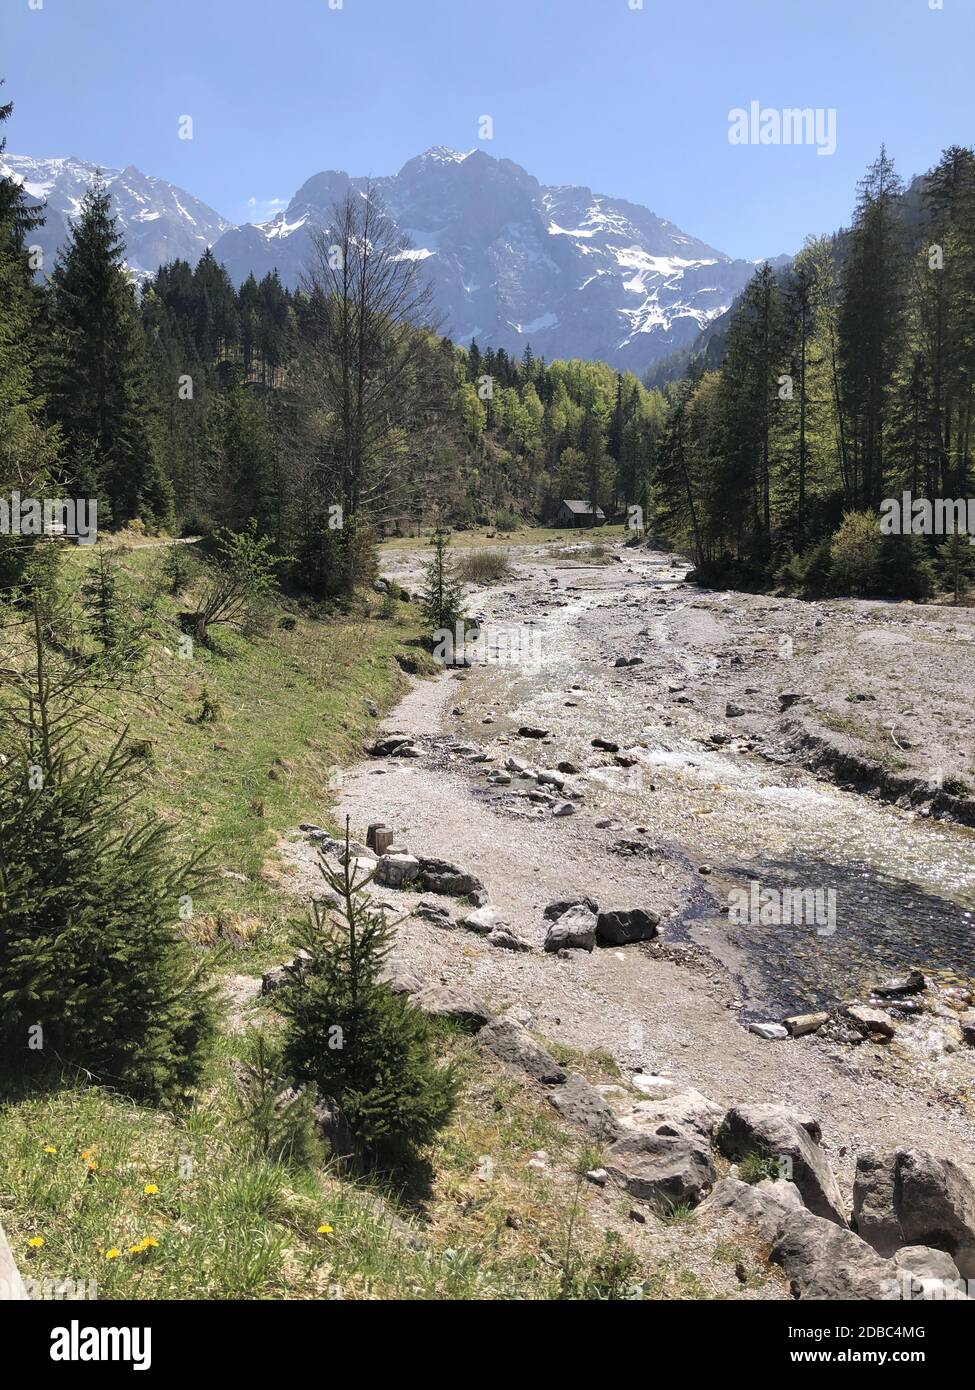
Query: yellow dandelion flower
x=136 y=1249
x=36 y=1242
x=112 y=1254
x=150 y=1189
x=150 y=1242
x=87 y=1153
x=325 y=1229
x=50 y=1149
x=93 y=1167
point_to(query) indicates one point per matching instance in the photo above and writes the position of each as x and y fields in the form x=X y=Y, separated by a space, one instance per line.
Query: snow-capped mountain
x=158 y=221
x=574 y=273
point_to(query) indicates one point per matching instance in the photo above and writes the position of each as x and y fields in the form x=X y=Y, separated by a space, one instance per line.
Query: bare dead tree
x=364 y=362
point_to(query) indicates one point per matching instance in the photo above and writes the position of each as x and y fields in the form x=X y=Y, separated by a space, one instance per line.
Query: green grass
x=229 y=1226
x=292 y=713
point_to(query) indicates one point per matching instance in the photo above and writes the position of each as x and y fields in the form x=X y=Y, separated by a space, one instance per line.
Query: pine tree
x=871 y=323
x=367 y=1049
x=97 y=371
x=957 y=561
x=29 y=451
x=97 y=979
x=441 y=598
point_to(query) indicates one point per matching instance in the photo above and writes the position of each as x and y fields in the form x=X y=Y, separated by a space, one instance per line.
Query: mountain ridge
x=511 y=261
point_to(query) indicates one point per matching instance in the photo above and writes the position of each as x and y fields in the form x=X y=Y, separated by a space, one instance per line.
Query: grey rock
x=869 y=1020
x=767 y=1205
x=573 y=930
x=440 y=876
x=912 y=1197
x=515 y=1046
x=824 y=1261
x=484 y=920
x=772 y=1032
x=685 y=1112
x=440 y=1001
x=774 y=1131
x=581 y=1104
x=397 y=870
x=274 y=979
x=913 y=982
x=387 y=746
x=561 y=905
x=926 y=1263
x=662 y=1169
x=622 y=926
x=399 y=978
x=506 y=940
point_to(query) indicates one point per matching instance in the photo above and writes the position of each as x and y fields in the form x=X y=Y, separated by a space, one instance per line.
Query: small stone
x=485 y=920
x=801 y=1024
x=870 y=1020
x=772 y=1032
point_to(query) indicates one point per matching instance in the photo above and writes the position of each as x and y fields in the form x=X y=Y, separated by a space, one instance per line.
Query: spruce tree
x=98 y=371
x=441 y=598
x=97 y=980
x=368 y=1049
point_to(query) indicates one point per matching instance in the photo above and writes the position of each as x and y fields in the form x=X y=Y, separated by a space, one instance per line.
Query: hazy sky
x=633 y=102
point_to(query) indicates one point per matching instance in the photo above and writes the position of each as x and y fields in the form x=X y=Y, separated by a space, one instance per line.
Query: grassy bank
x=150 y=1203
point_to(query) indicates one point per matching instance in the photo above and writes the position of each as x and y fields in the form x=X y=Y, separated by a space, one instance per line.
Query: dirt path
x=699 y=793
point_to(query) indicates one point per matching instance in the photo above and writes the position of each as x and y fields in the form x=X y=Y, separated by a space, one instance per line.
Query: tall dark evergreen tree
x=98 y=389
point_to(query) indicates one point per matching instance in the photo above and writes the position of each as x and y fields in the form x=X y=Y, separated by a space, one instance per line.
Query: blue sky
x=632 y=102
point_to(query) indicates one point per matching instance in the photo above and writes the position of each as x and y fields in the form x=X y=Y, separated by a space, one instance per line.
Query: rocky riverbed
x=641 y=744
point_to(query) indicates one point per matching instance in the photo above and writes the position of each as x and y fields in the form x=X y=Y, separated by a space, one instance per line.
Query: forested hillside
x=845 y=379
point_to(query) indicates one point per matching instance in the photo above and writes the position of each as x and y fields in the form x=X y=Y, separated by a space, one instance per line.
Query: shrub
x=483 y=566
x=240 y=582
x=367 y=1049
x=276 y=1118
x=855 y=552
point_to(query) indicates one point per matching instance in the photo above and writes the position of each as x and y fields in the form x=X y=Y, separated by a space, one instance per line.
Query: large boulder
x=440 y=1001
x=774 y=1131
x=574 y=930
x=397 y=870
x=683 y=1112
x=622 y=926
x=484 y=920
x=911 y=1197
x=440 y=876
x=825 y=1261
x=665 y=1169
x=515 y=1046
x=766 y=1205
x=581 y=1104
